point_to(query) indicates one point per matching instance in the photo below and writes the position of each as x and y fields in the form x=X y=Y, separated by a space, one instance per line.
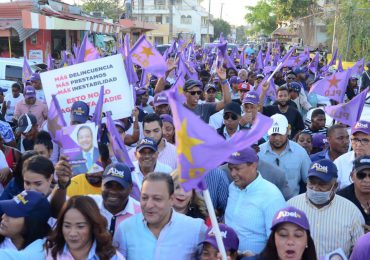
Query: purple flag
x=314 y=63
x=145 y=55
x=50 y=62
x=259 y=61
x=87 y=51
x=222 y=38
x=96 y=118
x=358 y=68
x=333 y=58
x=131 y=74
x=271 y=92
x=55 y=120
x=26 y=71
x=229 y=63
x=199 y=147
x=119 y=148
x=348 y=113
x=267 y=58
x=340 y=66
x=333 y=86
x=242 y=57
x=75 y=49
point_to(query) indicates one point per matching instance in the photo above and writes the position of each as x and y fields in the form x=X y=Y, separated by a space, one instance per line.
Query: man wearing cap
x=232 y=114
x=10 y=100
x=79 y=113
x=27 y=126
x=250 y=106
x=193 y=91
x=159 y=232
x=210 y=91
x=31 y=105
x=36 y=83
x=293 y=116
x=338 y=141
x=252 y=201
x=299 y=99
x=336 y=222
x=146 y=102
x=286 y=154
x=147 y=161
x=352 y=88
x=365 y=78
x=234 y=82
x=360 y=140
x=359 y=191
x=301 y=77
x=161 y=105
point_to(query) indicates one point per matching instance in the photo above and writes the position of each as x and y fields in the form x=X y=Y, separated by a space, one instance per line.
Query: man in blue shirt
x=252 y=203
x=288 y=155
x=159 y=232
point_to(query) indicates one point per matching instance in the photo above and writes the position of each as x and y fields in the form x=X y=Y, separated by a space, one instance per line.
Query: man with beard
x=286 y=154
x=293 y=116
x=152 y=127
x=147 y=162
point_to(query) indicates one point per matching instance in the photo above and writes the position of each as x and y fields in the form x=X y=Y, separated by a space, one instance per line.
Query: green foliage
x=219 y=26
x=241 y=34
x=261 y=17
x=112 y=8
x=290 y=9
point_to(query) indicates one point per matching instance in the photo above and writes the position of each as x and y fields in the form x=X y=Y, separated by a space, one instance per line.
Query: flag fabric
x=348 y=113
x=340 y=66
x=55 y=120
x=87 y=51
x=259 y=61
x=129 y=66
x=333 y=86
x=222 y=38
x=333 y=58
x=199 y=147
x=26 y=71
x=145 y=55
x=242 y=57
x=50 y=62
x=96 y=118
x=313 y=66
x=282 y=63
x=358 y=68
x=267 y=58
x=118 y=146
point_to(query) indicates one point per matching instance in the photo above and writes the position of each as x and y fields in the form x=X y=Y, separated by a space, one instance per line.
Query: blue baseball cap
x=248 y=155
x=35 y=76
x=80 y=112
x=295 y=86
x=27 y=204
x=118 y=172
x=147 y=143
x=323 y=169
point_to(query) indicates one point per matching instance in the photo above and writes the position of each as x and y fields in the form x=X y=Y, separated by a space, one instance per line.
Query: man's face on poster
x=85 y=139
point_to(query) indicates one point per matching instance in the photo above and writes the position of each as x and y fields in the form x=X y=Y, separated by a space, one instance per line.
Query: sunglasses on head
x=228 y=116
x=362 y=175
x=195 y=92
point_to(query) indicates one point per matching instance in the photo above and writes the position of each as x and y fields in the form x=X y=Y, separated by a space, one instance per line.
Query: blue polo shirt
x=178 y=239
x=250 y=212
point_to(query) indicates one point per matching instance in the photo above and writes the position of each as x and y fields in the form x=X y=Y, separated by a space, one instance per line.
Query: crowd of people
x=301 y=192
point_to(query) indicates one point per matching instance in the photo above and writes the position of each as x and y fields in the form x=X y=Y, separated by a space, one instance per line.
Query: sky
x=233 y=10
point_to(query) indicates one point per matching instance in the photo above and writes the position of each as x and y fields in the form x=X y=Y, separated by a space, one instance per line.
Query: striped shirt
x=308 y=130
x=218 y=186
x=337 y=225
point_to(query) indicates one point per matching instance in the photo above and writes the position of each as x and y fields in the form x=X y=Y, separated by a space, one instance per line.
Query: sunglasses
x=290 y=78
x=232 y=116
x=362 y=175
x=195 y=92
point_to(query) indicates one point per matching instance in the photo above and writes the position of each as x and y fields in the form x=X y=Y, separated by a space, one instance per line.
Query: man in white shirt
x=147 y=162
x=360 y=140
x=10 y=100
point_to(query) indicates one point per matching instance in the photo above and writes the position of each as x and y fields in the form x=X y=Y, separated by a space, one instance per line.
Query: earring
x=306 y=246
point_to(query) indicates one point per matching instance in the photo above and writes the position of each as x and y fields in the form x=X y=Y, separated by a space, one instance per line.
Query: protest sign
x=83 y=81
x=80 y=145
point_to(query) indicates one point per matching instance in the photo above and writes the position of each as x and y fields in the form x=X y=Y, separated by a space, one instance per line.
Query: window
x=188 y=18
x=158 y=19
x=158 y=40
x=13 y=73
x=183 y=19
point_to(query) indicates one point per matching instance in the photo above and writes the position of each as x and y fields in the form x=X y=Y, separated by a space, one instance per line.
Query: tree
x=219 y=26
x=261 y=17
x=241 y=34
x=112 y=8
x=290 y=9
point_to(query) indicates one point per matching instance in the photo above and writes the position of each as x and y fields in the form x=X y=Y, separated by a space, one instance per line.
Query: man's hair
x=160 y=176
x=152 y=117
x=282 y=88
x=334 y=127
x=317 y=112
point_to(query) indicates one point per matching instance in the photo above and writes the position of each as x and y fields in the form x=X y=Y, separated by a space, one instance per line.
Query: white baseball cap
x=279 y=125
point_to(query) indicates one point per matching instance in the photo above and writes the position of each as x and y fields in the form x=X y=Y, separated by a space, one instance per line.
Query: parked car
x=162 y=48
x=11 y=71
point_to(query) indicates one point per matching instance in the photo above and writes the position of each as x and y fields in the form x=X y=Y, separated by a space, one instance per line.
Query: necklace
x=366 y=208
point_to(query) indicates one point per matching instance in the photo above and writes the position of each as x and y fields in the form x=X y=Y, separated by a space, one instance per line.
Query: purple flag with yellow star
x=115 y=140
x=145 y=55
x=199 y=147
x=333 y=86
x=348 y=113
x=87 y=51
x=55 y=120
x=26 y=70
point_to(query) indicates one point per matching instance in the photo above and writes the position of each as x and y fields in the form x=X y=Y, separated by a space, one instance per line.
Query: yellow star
x=147 y=51
x=88 y=52
x=334 y=82
x=181 y=90
x=185 y=142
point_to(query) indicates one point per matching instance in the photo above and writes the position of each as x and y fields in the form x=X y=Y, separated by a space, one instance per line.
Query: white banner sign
x=82 y=82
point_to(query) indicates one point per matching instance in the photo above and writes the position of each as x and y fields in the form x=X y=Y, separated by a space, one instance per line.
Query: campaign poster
x=82 y=82
x=80 y=145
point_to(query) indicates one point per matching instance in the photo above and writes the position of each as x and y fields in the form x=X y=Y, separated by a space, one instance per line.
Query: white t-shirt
x=10 y=102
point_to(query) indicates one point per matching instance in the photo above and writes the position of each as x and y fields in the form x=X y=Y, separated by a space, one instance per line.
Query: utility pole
x=222 y=7
x=209 y=20
x=170 y=33
x=335 y=26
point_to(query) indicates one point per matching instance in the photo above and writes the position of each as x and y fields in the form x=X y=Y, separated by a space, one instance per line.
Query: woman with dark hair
x=168 y=128
x=15 y=186
x=81 y=233
x=290 y=237
x=24 y=220
x=304 y=140
x=43 y=144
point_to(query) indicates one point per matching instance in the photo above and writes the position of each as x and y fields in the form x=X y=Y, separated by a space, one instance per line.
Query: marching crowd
x=301 y=192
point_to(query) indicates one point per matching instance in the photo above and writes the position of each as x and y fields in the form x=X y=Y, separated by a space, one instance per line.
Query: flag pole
x=215 y=227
